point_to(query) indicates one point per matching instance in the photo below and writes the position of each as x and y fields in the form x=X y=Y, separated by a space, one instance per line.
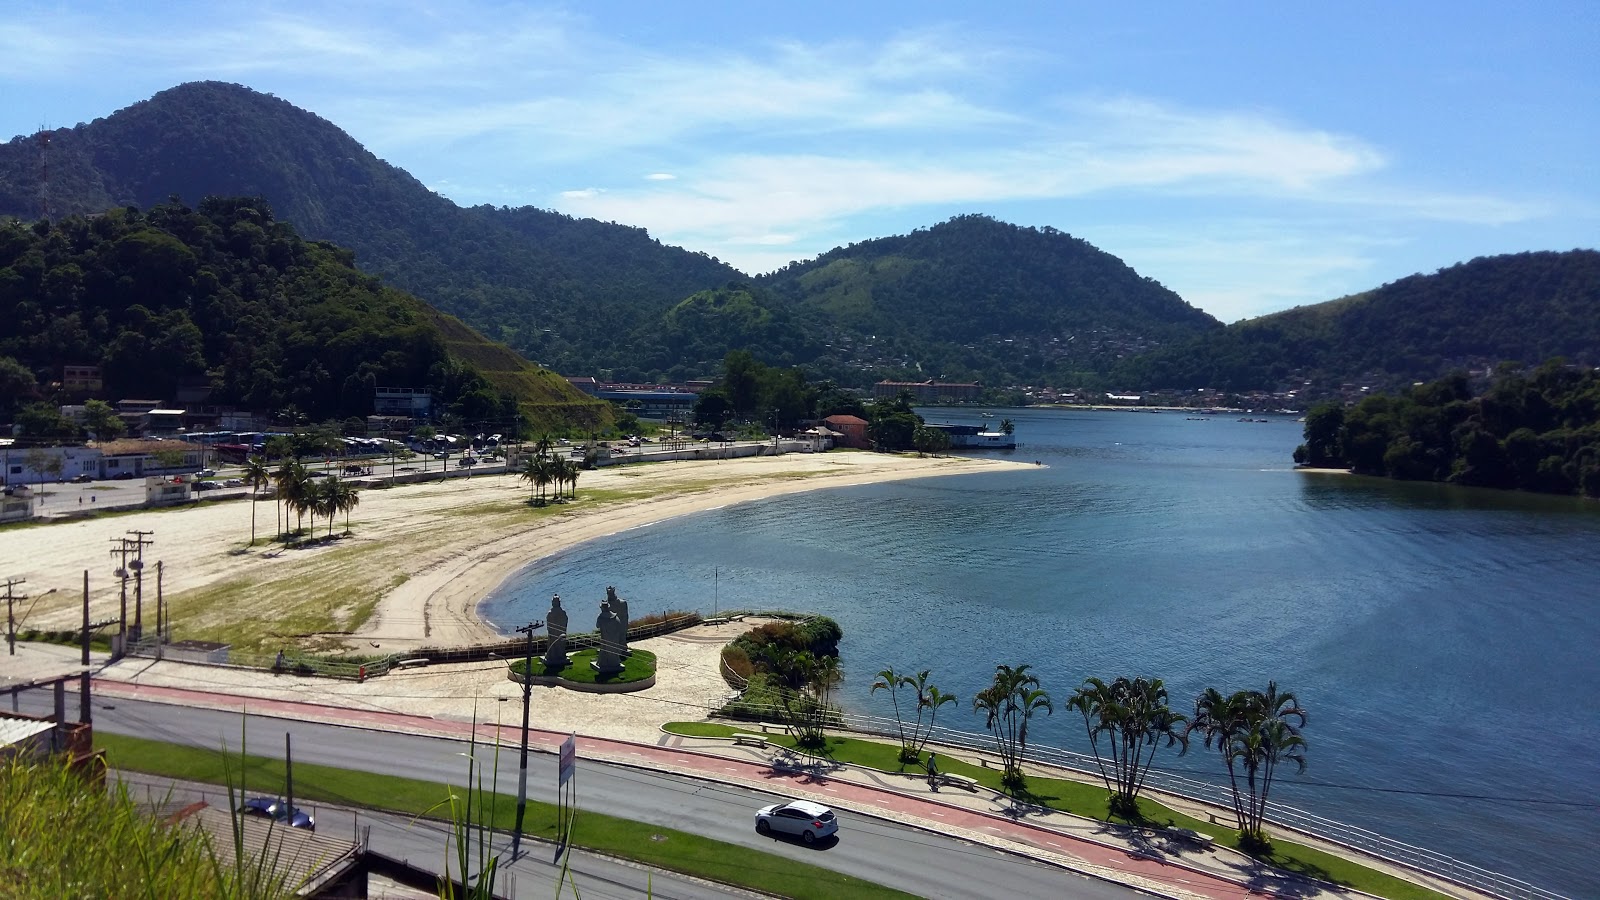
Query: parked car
x=206 y=485
x=278 y=811
x=233 y=482
x=82 y=478
x=207 y=473
x=802 y=818
x=122 y=476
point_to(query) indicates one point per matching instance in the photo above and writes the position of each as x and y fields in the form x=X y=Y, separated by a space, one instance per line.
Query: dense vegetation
x=1536 y=432
x=228 y=298
x=570 y=293
x=969 y=299
x=977 y=299
x=1525 y=307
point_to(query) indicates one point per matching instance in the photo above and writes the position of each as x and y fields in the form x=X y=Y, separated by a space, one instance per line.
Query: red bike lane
x=1086 y=856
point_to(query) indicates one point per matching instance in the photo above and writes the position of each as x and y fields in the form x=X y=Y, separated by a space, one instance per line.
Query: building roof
x=136 y=447
x=15 y=730
x=845 y=420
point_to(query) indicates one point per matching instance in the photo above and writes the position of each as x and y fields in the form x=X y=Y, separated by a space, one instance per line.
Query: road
x=429 y=844
x=874 y=849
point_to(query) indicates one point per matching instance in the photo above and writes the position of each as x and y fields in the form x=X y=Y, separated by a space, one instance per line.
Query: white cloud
x=660 y=176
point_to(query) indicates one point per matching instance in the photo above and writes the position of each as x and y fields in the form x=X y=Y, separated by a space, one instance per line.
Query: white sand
x=452 y=542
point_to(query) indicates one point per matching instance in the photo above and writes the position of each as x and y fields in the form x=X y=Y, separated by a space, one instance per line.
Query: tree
x=102 y=420
x=1007 y=426
x=294 y=490
x=1133 y=717
x=1008 y=704
x=1254 y=731
x=1324 y=432
x=805 y=683
x=256 y=475
x=893 y=682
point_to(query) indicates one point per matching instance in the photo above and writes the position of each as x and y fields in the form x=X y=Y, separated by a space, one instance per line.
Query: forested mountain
x=225 y=296
x=974 y=298
x=968 y=299
x=971 y=298
x=565 y=292
x=1522 y=308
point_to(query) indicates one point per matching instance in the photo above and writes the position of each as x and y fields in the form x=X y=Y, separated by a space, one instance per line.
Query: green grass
x=1091 y=801
x=637 y=666
x=647 y=844
x=50 y=815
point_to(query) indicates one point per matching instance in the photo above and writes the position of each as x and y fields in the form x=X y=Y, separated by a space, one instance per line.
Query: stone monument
x=620 y=607
x=607 y=659
x=555 y=655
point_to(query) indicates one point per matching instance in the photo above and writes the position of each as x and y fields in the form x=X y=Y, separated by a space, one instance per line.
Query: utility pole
x=11 y=640
x=121 y=550
x=160 y=635
x=139 y=543
x=522 y=770
x=85 y=634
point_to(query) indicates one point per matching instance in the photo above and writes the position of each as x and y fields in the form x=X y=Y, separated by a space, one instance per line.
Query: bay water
x=1445 y=641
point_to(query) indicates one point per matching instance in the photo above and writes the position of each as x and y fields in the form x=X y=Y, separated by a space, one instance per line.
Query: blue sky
x=1250 y=156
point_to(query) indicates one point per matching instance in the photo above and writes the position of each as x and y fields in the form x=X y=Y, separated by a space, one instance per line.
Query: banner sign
x=569 y=760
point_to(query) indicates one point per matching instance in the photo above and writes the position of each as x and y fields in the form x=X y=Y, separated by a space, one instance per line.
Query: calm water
x=1443 y=640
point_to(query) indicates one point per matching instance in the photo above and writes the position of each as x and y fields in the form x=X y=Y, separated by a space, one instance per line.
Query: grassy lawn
x=1090 y=801
x=650 y=845
x=637 y=666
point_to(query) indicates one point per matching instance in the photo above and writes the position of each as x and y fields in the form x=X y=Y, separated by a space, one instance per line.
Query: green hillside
x=565 y=292
x=1523 y=308
x=227 y=296
x=974 y=298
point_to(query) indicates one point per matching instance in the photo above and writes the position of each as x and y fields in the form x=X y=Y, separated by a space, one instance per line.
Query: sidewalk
x=1165 y=865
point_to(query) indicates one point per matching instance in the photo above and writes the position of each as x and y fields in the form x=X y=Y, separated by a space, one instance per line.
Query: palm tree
x=929 y=698
x=1008 y=704
x=292 y=481
x=1007 y=427
x=256 y=476
x=573 y=470
x=1254 y=731
x=1133 y=715
x=349 y=499
x=892 y=681
x=538 y=471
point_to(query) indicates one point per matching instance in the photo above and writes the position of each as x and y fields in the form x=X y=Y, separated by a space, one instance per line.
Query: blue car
x=278 y=811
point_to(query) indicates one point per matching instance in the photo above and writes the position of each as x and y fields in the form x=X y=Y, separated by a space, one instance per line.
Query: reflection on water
x=1442 y=638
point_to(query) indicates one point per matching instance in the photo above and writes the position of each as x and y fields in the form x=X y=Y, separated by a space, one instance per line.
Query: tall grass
x=63 y=835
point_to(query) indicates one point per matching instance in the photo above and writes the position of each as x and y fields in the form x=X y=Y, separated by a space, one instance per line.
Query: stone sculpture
x=608 y=661
x=620 y=607
x=555 y=621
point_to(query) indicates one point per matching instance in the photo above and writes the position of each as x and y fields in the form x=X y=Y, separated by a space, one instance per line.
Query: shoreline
x=457 y=592
x=418 y=561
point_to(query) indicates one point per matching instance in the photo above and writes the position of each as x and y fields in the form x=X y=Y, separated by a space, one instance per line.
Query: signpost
x=564 y=796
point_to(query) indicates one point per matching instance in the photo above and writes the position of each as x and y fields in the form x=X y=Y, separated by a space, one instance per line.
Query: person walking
x=933 y=771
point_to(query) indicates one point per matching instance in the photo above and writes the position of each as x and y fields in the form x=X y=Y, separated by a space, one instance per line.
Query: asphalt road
x=430 y=845
x=874 y=849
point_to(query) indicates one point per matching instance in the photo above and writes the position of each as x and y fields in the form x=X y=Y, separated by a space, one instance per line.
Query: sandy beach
x=418 y=558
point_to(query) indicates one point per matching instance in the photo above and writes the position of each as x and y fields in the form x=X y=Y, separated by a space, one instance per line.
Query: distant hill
x=226 y=296
x=1523 y=308
x=566 y=292
x=971 y=298
x=975 y=298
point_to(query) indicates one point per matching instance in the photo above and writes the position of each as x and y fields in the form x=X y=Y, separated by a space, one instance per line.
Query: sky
x=1249 y=156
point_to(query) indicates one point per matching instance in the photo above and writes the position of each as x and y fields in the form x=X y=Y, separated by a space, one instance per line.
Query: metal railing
x=1353 y=837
